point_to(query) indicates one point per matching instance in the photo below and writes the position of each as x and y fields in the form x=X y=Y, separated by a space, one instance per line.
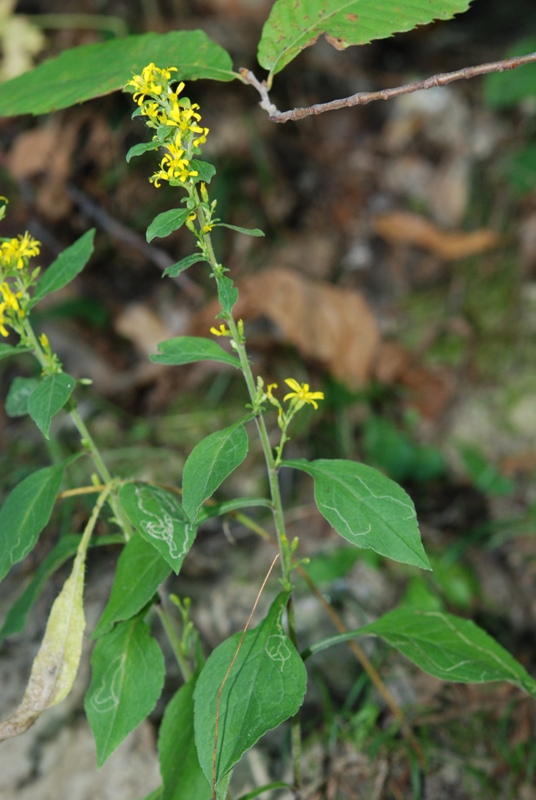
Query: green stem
x=272 y=467
x=174 y=640
x=88 y=442
x=51 y=363
x=102 y=469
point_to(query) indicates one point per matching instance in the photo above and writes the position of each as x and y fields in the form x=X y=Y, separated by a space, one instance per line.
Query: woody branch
x=362 y=98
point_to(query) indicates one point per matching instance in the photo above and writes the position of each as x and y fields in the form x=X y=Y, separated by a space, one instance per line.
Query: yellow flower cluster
x=14 y=253
x=14 y=256
x=163 y=109
x=10 y=309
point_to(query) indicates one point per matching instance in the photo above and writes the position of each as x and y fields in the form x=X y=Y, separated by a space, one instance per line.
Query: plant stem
x=173 y=639
x=88 y=442
x=272 y=468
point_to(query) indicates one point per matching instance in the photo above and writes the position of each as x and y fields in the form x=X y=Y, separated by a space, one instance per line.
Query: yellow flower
x=10 y=309
x=15 y=252
x=302 y=394
x=222 y=331
x=10 y=297
x=152 y=81
x=176 y=120
x=3 y=330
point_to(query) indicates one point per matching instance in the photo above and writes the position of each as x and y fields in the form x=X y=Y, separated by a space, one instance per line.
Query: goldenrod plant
x=256 y=679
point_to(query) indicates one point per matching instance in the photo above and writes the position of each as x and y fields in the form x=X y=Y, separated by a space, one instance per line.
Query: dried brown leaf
x=402 y=227
x=327 y=323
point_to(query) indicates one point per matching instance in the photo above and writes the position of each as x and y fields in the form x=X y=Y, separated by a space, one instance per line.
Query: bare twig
x=362 y=98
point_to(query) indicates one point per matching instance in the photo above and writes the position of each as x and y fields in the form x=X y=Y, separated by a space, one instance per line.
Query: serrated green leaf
x=160 y=519
x=227 y=294
x=16 y=616
x=184 y=263
x=65 y=268
x=7 y=350
x=96 y=69
x=238 y=229
x=265 y=686
x=25 y=513
x=503 y=89
x=292 y=26
x=142 y=147
x=140 y=571
x=166 y=223
x=189 y=349
x=209 y=463
x=182 y=777
x=366 y=508
x=49 y=397
x=126 y=681
x=448 y=647
x=18 y=396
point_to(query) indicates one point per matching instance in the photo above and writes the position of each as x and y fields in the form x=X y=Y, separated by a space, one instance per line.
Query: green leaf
x=366 y=508
x=227 y=294
x=96 y=69
x=182 y=776
x=126 y=681
x=189 y=349
x=292 y=26
x=184 y=263
x=167 y=222
x=49 y=397
x=7 y=350
x=25 y=513
x=264 y=687
x=160 y=519
x=238 y=229
x=140 y=571
x=65 y=268
x=56 y=664
x=16 y=616
x=205 y=169
x=228 y=506
x=503 y=89
x=142 y=147
x=448 y=647
x=18 y=396
x=209 y=463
